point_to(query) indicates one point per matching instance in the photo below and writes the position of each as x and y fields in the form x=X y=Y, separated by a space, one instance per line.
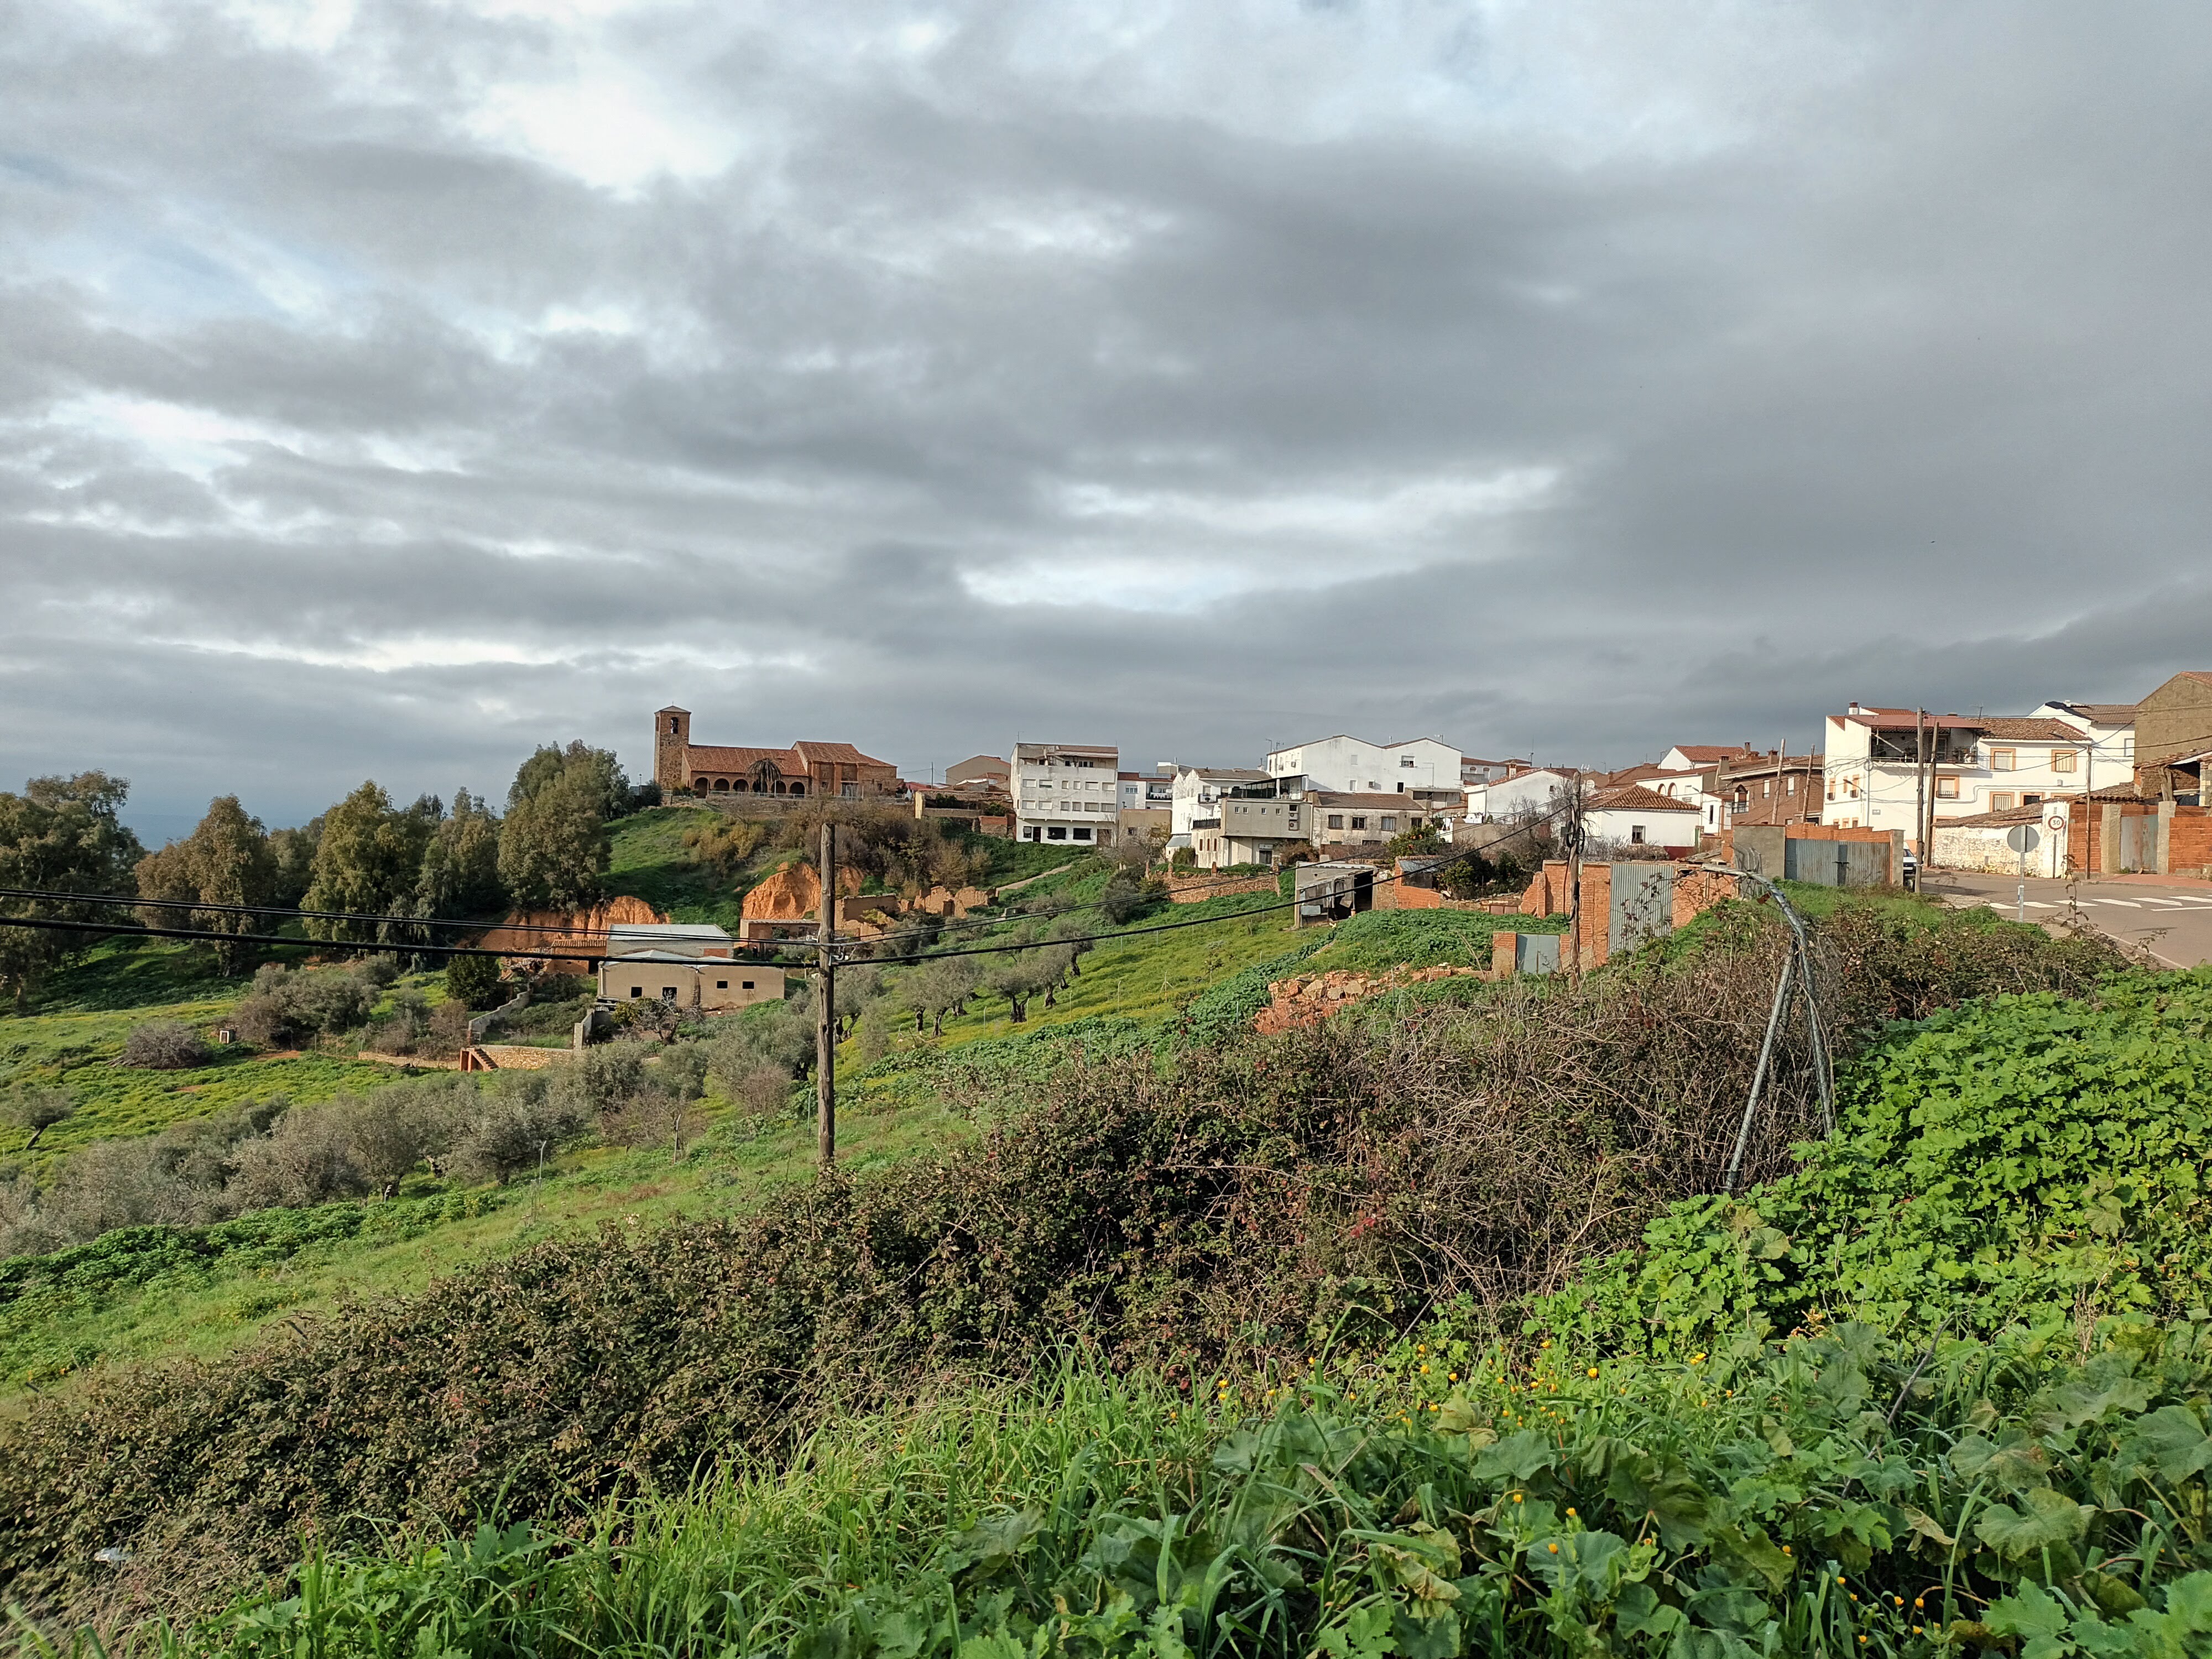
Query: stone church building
x=835 y=769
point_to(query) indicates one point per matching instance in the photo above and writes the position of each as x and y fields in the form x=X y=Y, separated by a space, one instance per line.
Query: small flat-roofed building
x=691 y=965
x=697 y=938
x=707 y=985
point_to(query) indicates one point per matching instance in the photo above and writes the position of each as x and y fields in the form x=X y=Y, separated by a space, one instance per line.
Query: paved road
x=2173 y=919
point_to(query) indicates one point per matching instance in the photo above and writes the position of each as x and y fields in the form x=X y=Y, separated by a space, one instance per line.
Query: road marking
x=2132 y=904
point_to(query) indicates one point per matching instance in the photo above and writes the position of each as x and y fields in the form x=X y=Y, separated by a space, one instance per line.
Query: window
x=1405 y=761
x=668 y=994
x=1389 y=823
x=2031 y=800
x=2001 y=800
x=2001 y=760
x=1635 y=833
x=1082 y=832
x=745 y=985
x=2062 y=760
x=1055 y=832
x=1336 y=820
x=851 y=792
x=637 y=990
x=1359 y=822
x=1792 y=788
x=1765 y=789
x=1029 y=834
x=1742 y=798
x=1946 y=789
x=1853 y=782
x=721 y=985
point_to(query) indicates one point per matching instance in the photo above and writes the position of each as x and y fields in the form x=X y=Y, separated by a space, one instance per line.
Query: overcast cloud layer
x=386 y=387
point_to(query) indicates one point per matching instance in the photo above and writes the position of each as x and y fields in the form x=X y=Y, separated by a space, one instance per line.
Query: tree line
x=366 y=855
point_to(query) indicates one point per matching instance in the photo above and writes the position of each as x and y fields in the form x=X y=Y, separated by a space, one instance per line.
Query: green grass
x=210 y=1289
x=650 y=861
x=79 y=1023
x=205 y=1291
x=1762 y=1503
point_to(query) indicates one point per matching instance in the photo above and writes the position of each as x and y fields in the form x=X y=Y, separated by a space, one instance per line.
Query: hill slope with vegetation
x=1212 y=1216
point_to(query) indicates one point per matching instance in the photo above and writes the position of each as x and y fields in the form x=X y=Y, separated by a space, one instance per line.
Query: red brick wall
x=1697 y=891
x=2188 y=843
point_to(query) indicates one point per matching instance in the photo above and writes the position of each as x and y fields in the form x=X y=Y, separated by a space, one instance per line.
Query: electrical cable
x=280 y=910
x=399 y=947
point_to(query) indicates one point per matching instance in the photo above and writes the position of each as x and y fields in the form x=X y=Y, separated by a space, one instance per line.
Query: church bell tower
x=671 y=745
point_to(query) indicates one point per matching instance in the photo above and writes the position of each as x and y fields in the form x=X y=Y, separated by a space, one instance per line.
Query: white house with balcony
x=1874 y=767
x=1066 y=792
x=1197 y=791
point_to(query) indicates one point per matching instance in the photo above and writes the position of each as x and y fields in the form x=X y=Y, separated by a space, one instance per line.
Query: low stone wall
x=1398 y=896
x=511 y=1057
x=1196 y=889
x=1309 y=998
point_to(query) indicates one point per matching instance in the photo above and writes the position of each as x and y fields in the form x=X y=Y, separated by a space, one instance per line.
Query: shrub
x=284 y=1008
x=2030 y=1161
x=36 y=1109
x=164 y=1045
x=474 y=982
x=305 y=1158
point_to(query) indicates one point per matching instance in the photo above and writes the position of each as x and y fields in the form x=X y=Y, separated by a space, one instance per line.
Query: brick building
x=1770 y=788
x=834 y=769
x=2174 y=737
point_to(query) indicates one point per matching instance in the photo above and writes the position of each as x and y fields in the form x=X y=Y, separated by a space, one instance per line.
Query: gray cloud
x=386 y=387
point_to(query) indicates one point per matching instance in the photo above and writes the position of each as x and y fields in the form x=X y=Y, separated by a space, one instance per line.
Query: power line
x=48 y=923
x=280 y=910
x=404 y=948
x=1233 y=915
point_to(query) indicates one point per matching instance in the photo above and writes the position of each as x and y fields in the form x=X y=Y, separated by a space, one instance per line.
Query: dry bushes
x=163 y=1045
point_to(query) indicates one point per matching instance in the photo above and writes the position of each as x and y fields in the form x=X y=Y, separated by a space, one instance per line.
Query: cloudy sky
x=387 y=386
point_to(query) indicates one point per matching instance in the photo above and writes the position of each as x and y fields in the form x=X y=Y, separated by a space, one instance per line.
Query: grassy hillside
x=76 y=1028
x=206 y=1290
x=1220 y=1217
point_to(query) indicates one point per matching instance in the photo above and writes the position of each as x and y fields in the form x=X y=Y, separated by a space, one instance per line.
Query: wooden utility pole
x=1920 y=796
x=825 y=1007
x=1574 y=833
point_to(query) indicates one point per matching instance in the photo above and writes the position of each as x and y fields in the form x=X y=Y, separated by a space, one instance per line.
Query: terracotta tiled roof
x=2030 y=729
x=2104 y=713
x=722 y=758
x=1705 y=753
x=1990 y=820
x=1635 y=797
x=843 y=753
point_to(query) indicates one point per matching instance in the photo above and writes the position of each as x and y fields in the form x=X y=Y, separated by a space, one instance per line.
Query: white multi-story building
x=1066 y=792
x=2109 y=762
x=1197 y=788
x=1981 y=763
x=1343 y=763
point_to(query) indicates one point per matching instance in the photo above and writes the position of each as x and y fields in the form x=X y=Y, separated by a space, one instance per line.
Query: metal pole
x=825 y=1008
x=1759 y=1076
x=2021 y=914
